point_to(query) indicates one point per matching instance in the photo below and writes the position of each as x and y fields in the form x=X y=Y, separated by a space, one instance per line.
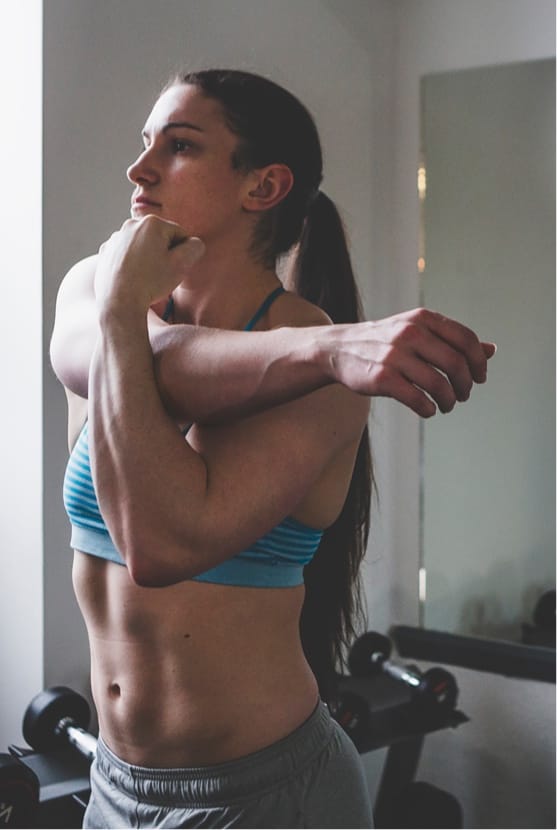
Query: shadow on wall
x=478 y=609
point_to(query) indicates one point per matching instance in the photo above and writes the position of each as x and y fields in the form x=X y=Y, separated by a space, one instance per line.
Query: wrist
x=122 y=311
x=320 y=352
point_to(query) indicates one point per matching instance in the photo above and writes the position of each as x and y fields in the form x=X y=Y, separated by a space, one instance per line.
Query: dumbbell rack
x=396 y=724
x=64 y=785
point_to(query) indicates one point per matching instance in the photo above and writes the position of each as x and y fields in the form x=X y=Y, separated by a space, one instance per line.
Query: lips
x=143 y=201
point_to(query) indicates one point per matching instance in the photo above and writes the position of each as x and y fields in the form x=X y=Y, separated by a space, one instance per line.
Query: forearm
x=206 y=375
x=137 y=453
x=210 y=375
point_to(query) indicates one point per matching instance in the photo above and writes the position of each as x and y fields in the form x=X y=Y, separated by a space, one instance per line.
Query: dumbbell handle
x=398 y=672
x=83 y=741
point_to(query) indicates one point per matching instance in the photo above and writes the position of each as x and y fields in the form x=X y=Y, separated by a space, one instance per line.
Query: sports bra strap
x=265 y=305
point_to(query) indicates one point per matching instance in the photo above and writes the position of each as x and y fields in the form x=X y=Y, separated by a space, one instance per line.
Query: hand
x=142 y=262
x=419 y=358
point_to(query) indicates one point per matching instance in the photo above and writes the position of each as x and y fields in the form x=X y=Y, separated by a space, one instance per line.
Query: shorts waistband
x=230 y=782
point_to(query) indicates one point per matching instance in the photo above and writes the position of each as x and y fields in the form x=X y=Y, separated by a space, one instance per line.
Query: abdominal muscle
x=195 y=673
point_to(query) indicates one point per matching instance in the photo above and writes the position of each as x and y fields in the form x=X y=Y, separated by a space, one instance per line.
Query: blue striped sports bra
x=276 y=560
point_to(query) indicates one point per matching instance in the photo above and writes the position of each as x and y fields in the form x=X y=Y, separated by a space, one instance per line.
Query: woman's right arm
x=76 y=327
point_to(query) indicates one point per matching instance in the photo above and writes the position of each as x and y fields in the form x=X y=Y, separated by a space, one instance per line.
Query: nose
x=142 y=171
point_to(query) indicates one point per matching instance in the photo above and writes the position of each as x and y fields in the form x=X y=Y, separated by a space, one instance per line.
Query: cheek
x=206 y=200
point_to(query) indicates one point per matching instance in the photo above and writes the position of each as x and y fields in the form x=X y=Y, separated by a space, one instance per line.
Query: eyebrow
x=173 y=124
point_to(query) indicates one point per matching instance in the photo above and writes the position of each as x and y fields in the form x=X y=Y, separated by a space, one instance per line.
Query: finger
x=393 y=385
x=489 y=349
x=169 y=231
x=176 y=236
x=416 y=339
x=451 y=362
x=460 y=338
x=174 y=233
x=190 y=250
x=435 y=384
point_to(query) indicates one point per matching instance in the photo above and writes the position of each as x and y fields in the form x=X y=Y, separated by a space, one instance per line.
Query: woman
x=193 y=546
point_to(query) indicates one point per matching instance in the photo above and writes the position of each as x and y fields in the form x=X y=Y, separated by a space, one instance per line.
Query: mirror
x=487 y=200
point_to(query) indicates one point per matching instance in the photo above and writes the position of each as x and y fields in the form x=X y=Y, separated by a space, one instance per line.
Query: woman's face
x=185 y=172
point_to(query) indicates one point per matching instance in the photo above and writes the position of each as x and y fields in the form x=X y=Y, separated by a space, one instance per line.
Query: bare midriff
x=193 y=674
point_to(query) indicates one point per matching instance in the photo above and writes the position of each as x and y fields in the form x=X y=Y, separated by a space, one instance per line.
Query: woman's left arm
x=174 y=511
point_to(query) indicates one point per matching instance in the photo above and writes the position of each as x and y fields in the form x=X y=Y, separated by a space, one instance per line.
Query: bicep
x=75 y=327
x=261 y=467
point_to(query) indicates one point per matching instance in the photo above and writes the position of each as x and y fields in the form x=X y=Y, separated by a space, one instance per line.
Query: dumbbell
x=370 y=656
x=19 y=793
x=351 y=711
x=57 y=717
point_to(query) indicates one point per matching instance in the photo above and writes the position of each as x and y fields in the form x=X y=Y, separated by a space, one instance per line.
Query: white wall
x=437 y=36
x=500 y=765
x=489 y=532
x=21 y=424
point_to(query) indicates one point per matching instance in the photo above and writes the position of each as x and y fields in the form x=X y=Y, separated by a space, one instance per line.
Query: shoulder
x=79 y=280
x=348 y=410
x=292 y=310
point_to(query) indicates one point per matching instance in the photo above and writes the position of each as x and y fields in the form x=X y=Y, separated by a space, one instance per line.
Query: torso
x=195 y=673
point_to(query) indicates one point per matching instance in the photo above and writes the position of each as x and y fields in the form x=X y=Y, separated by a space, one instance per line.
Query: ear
x=267 y=186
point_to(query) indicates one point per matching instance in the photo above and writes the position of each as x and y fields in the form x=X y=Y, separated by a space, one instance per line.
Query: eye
x=181 y=145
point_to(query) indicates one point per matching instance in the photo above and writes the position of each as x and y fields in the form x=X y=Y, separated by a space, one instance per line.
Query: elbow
x=148 y=578
x=146 y=572
x=146 y=575
x=159 y=555
x=166 y=385
x=149 y=570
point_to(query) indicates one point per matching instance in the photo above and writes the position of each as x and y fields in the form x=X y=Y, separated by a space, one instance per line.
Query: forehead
x=186 y=103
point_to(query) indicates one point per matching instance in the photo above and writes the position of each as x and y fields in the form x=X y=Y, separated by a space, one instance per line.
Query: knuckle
x=388 y=353
x=383 y=374
x=150 y=222
x=408 y=333
x=419 y=314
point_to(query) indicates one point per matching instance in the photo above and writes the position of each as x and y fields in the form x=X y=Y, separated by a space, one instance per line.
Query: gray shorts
x=312 y=778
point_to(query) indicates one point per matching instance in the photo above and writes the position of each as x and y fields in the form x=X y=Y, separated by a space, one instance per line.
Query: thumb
x=190 y=250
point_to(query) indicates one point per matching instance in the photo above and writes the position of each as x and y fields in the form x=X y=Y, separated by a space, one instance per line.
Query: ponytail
x=333 y=609
x=322 y=271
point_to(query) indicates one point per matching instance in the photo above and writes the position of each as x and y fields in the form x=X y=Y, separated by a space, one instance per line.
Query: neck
x=222 y=291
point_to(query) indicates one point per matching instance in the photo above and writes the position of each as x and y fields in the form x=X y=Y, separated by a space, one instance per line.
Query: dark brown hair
x=274 y=127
